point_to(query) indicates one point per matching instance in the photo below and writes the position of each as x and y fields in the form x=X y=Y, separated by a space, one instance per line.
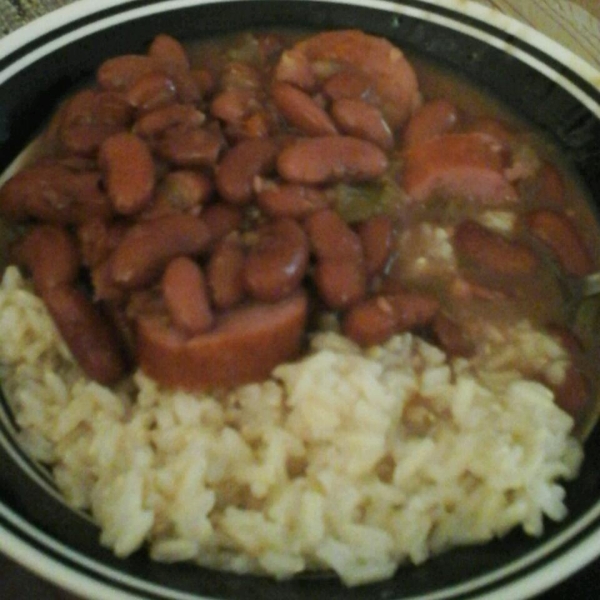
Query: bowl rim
x=96 y=16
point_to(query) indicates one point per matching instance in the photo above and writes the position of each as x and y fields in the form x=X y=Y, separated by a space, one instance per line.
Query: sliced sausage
x=492 y=251
x=245 y=345
x=559 y=233
x=349 y=84
x=432 y=119
x=463 y=165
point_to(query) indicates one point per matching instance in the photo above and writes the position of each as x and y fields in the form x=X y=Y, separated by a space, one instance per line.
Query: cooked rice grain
x=349 y=460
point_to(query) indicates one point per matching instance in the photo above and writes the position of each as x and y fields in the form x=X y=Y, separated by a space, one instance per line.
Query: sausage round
x=245 y=345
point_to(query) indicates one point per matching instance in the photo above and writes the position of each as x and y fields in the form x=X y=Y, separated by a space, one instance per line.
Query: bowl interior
x=29 y=96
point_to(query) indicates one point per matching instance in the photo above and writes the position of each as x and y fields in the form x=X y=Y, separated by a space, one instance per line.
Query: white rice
x=350 y=460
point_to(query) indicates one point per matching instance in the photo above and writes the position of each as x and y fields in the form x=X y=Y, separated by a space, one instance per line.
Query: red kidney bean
x=129 y=172
x=186 y=297
x=148 y=247
x=245 y=345
x=331 y=158
x=97 y=107
x=464 y=289
x=182 y=191
x=205 y=81
x=362 y=120
x=225 y=273
x=234 y=105
x=370 y=322
x=560 y=235
x=50 y=254
x=221 y=219
x=467 y=165
x=85 y=140
x=269 y=45
x=241 y=165
x=121 y=72
x=90 y=117
x=294 y=67
x=412 y=309
x=290 y=199
x=52 y=192
x=331 y=237
x=92 y=340
x=493 y=252
x=105 y=288
x=497 y=130
x=169 y=53
x=350 y=84
x=188 y=90
x=157 y=122
x=191 y=147
x=376 y=319
x=97 y=239
x=152 y=91
x=277 y=262
x=257 y=125
x=432 y=119
x=451 y=336
x=377 y=237
x=340 y=282
x=171 y=56
x=301 y=111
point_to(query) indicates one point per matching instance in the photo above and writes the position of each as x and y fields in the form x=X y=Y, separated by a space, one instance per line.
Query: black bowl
x=541 y=81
